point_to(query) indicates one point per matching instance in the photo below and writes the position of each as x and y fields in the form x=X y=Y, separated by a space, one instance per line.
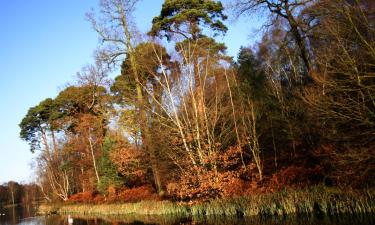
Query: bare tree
x=285 y=9
x=114 y=29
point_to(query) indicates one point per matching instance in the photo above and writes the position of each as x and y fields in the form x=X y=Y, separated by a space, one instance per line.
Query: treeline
x=191 y=123
x=13 y=193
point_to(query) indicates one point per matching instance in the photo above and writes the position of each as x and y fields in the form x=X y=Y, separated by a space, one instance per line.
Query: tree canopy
x=187 y=17
x=189 y=124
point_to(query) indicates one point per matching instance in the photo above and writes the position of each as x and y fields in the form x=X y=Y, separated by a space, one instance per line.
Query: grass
x=316 y=200
x=312 y=201
x=143 y=207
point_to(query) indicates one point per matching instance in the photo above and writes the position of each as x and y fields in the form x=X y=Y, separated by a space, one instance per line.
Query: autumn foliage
x=131 y=163
x=191 y=123
x=137 y=194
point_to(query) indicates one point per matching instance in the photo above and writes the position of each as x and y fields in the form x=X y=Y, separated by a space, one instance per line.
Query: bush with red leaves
x=137 y=194
x=81 y=197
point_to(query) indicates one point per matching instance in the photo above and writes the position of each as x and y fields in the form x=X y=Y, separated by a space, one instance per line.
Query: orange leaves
x=126 y=195
x=221 y=175
x=87 y=196
x=207 y=185
x=233 y=187
x=144 y=192
x=231 y=157
x=131 y=163
x=204 y=182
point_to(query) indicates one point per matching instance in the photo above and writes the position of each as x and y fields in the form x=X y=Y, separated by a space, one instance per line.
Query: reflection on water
x=16 y=215
x=25 y=216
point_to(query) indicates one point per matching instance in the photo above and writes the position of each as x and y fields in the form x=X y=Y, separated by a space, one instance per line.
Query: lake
x=26 y=216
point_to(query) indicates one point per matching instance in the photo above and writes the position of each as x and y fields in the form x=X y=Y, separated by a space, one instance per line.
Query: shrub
x=137 y=194
x=87 y=196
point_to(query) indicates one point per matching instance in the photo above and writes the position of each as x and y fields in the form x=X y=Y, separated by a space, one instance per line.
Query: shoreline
x=312 y=201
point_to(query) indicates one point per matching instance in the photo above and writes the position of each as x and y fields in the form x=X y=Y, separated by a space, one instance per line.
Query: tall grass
x=315 y=200
x=143 y=208
x=311 y=201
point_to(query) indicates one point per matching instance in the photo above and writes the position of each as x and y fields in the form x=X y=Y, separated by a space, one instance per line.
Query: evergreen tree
x=193 y=14
x=109 y=176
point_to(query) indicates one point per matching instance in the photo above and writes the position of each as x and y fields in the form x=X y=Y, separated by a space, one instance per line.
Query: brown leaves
x=144 y=192
x=131 y=162
x=220 y=176
x=209 y=184
x=87 y=196
x=137 y=194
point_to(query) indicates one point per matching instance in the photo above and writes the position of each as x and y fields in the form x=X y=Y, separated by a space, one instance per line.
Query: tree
x=343 y=101
x=110 y=177
x=37 y=122
x=250 y=72
x=200 y=55
x=39 y=126
x=120 y=42
x=193 y=14
x=69 y=131
x=252 y=96
x=15 y=193
x=149 y=68
x=147 y=55
x=117 y=39
x=83 y=117
x=132 y=164
x=3 y=194
x=289 y=11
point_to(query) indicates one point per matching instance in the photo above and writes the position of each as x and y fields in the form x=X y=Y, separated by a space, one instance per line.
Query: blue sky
x=43 y=44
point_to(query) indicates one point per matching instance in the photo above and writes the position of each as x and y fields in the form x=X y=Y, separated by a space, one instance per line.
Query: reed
x=311 y=201
x=143 y=208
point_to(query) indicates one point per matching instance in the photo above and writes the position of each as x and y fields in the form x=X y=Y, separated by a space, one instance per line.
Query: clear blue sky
x=43 y=43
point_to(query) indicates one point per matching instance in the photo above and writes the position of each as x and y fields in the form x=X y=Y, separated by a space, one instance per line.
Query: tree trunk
x=299 y=39
x=12 y=197
x=93 y=156
x=146 y=137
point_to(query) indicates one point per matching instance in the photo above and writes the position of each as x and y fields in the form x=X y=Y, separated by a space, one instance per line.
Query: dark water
x=26 y=216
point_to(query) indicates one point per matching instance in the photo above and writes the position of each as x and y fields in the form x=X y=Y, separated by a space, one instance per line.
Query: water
x=26 y=216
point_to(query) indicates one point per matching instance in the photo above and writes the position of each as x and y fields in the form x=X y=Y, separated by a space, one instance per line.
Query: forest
x=13 y=193
x=184 y=121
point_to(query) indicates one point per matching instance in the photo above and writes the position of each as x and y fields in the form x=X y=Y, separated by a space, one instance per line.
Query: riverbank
x=312 y=201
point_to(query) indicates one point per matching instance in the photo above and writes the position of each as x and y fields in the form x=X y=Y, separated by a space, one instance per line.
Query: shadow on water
x=25 y=216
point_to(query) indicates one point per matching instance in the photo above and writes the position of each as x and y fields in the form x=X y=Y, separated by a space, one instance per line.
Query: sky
x=43 y=44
